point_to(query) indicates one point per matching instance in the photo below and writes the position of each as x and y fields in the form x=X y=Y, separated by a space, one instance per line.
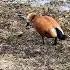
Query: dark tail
x=60 y=35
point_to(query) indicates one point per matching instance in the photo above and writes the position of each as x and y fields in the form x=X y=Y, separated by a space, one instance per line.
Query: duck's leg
x=55 y=41
x=43 y=40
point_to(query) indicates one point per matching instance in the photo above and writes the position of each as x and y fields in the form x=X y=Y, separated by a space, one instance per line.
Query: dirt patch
x=23 y=48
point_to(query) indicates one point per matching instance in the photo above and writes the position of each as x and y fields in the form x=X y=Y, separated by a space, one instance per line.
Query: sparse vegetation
x=21 y=47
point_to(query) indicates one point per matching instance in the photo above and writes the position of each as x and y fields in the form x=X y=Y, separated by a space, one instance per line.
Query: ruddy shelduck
x=46 y=26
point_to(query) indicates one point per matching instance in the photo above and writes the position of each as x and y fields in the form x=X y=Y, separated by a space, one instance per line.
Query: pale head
x=30 y=16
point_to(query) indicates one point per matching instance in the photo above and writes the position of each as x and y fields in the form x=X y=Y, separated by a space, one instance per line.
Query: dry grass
x=23 y=48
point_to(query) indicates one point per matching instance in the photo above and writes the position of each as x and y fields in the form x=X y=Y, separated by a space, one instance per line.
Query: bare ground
x=21 y=47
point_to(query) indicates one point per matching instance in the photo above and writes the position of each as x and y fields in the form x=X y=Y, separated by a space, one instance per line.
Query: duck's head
x=30 y=16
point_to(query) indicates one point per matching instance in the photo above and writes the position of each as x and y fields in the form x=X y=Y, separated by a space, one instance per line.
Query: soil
x=21 y=47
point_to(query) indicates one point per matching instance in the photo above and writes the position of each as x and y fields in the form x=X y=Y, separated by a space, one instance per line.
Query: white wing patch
x=60 y=30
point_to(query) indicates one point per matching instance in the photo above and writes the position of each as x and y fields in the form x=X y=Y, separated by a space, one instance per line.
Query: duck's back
x=44 y=23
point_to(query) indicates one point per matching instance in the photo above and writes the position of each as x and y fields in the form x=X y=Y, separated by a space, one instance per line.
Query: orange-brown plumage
x=45 y=25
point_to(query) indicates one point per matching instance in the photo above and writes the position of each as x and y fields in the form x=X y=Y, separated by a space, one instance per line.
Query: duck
x=46 y=26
